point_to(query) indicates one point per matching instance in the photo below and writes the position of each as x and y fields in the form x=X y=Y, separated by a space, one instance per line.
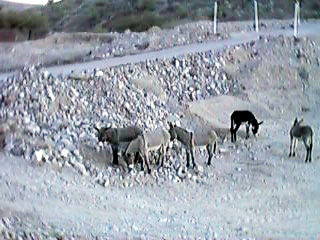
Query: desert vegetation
x=140 y=15
x=32 y=25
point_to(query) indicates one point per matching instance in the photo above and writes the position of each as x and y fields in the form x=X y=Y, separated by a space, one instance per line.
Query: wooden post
x=256 y=18
x=295 y=24
x=215 y=17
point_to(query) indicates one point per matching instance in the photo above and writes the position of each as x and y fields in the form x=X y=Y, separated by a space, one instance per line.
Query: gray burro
x=157 y=140
x=200 y=137
x=302 y=133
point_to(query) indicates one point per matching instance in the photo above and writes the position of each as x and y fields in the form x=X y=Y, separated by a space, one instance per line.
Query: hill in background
x=140 y=15
x=136 y=15
x=17 y=7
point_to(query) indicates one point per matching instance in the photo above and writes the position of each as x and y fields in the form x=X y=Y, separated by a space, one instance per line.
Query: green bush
x=13 y=20
x=182 y=11
x=146 y=5
x=33 y=24
x=137 y=23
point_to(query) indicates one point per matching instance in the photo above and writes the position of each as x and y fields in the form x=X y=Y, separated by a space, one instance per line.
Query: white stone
x=81 y=168
x=39 y=155
x=65 y=153
x=50 y=93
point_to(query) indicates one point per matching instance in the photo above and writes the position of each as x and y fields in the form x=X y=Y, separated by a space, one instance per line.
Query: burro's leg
x=307 y=149
x=164 y=148
x=247 y=130
x=141 y=163
x=115 y=154
x=137 y=157
x=310 y=149
x=210 y=153
x=235 y=132
x=232 y=131
x=291 y=146
x=146 y=160
x=295 y=143
x=192 y=157
x=188 y=157
x=159 y=156
x=308 y=146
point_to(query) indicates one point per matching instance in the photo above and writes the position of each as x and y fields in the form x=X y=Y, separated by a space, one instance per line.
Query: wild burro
x=200 y=137
x=157 y=140
x=240 y=117
x=116 y=136
x=301 y=133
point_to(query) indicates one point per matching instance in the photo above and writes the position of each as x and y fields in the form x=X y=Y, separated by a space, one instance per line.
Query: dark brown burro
x=240 y=117
x=115 y=136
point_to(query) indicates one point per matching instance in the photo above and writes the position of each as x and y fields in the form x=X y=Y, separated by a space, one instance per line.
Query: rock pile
x=155 y=38
x=189 y=78
x=54 y=115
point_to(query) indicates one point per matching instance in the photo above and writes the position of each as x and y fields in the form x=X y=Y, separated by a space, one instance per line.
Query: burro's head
x=103 y=134
x=297 y=122
x=172 y=131
x=255 y=127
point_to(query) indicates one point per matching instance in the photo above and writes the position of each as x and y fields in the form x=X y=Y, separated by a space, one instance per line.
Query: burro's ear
x=300 y=121
x=97 y=129
x=170 y=124
x=260 y=123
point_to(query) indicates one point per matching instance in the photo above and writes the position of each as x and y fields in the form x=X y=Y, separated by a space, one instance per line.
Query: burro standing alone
x=301 y=133
x=243 y=116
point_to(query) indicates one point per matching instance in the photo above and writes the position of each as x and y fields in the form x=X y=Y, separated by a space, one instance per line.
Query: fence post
x=298 y=2
x=256 y=15
x=215 y=17
x=295 y=24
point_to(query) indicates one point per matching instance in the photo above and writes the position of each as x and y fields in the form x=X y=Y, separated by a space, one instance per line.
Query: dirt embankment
x=63 y=48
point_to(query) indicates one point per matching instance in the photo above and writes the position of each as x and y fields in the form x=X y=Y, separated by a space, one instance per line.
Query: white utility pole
x=295 y=24
x=215 y=17
x=256 y=18
x=298 y=2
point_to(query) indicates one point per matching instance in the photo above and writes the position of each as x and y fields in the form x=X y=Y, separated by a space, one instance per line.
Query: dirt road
x=306 y=29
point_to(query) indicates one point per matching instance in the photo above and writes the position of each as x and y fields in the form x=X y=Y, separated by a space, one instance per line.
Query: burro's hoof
x=182 y=172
